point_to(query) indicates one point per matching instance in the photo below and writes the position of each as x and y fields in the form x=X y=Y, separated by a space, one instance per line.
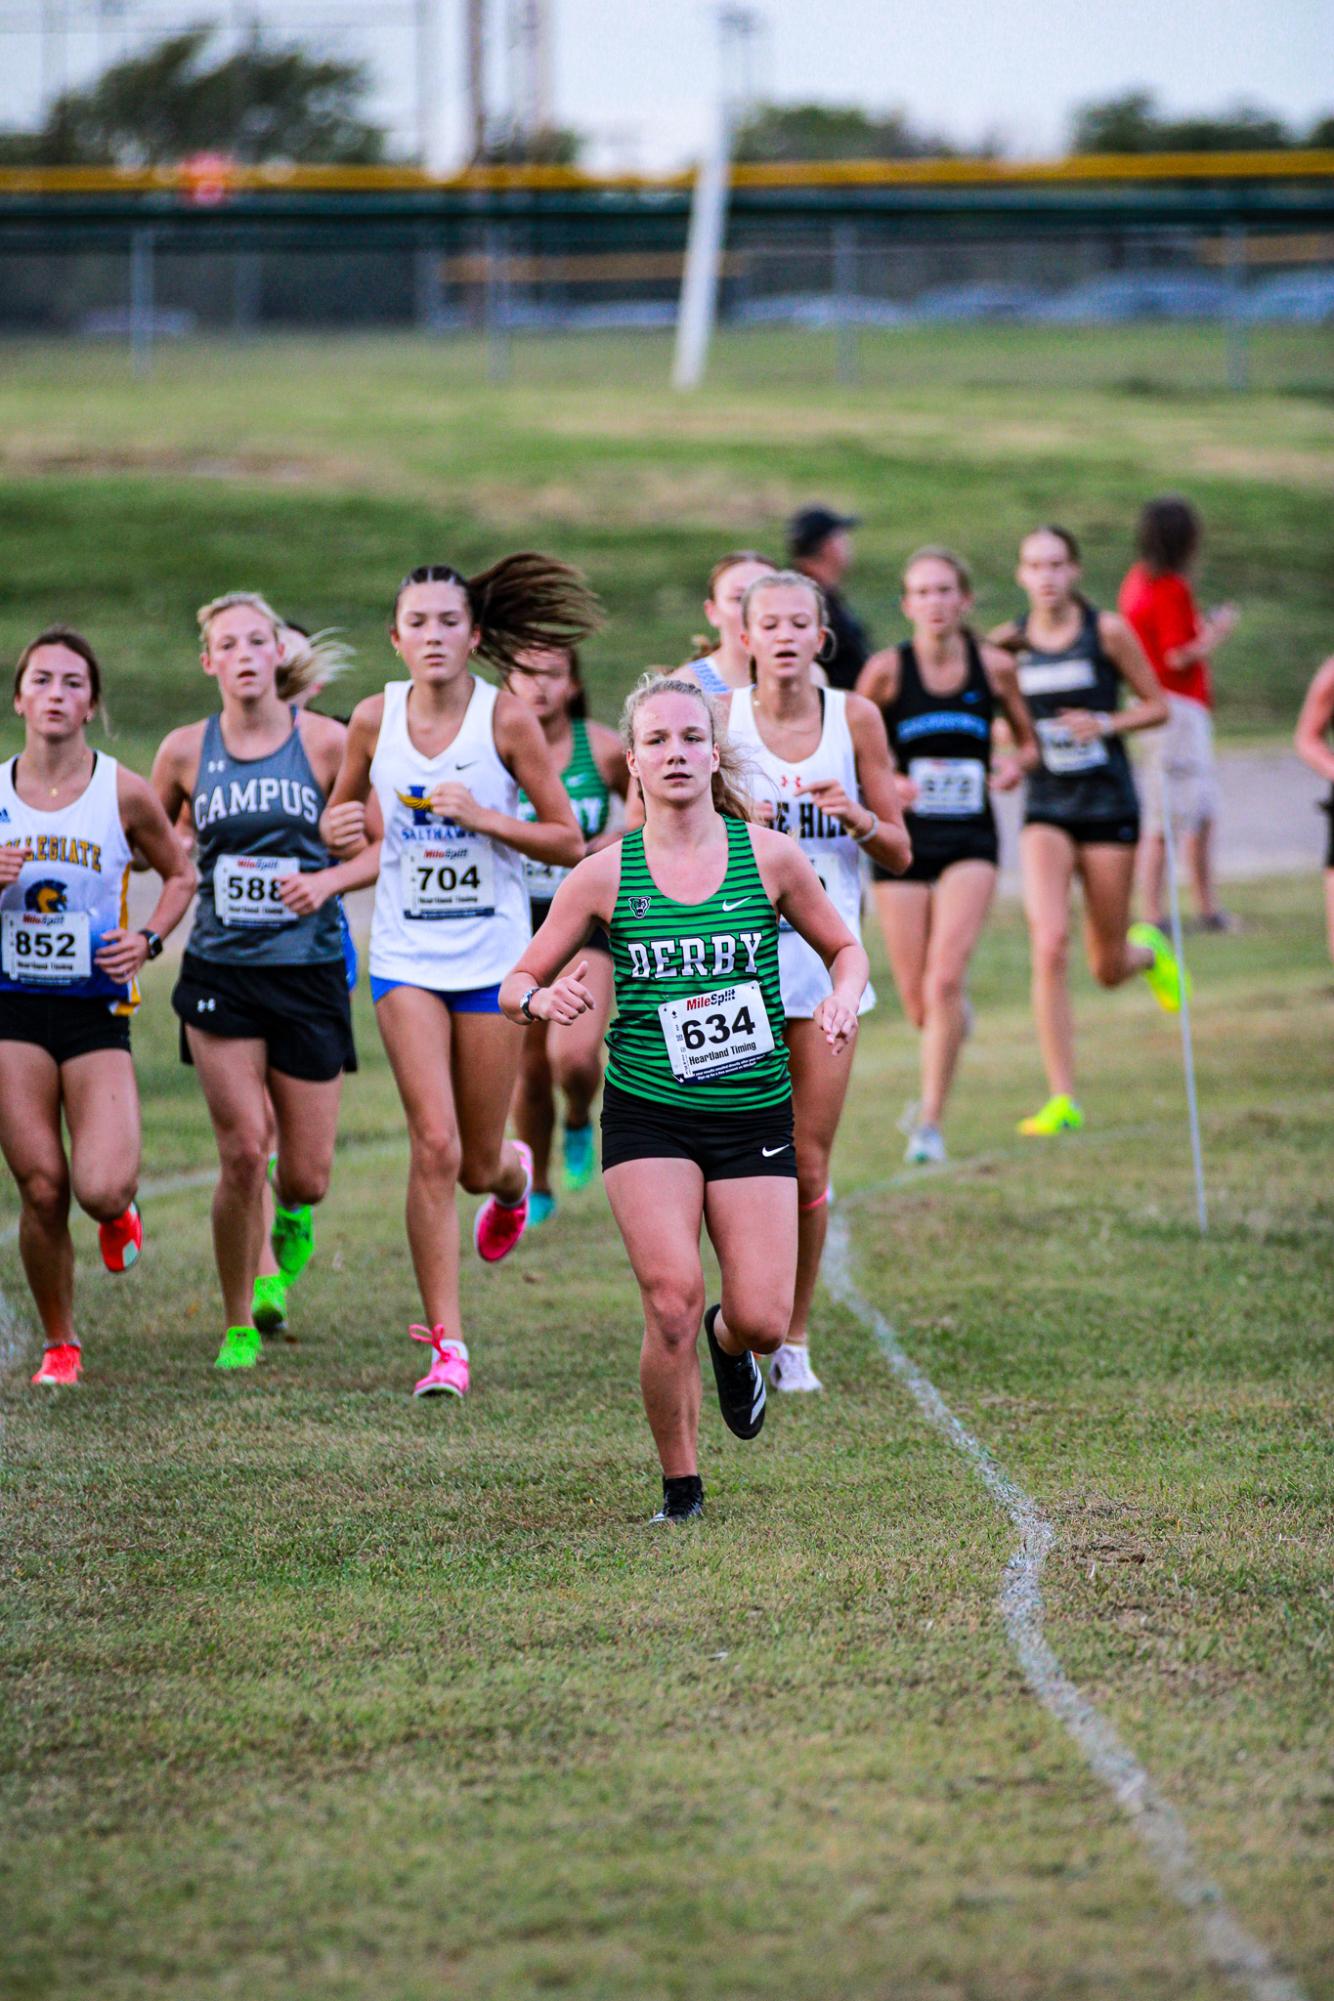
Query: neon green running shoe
x=1164 y=976
x=1059 y=1115
x=268 y=1303
x=240 y=1348
x=579 y=1156
x=293 y=1240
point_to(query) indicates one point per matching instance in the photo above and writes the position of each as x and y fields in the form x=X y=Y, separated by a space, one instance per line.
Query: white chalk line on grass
x=1226 y=1943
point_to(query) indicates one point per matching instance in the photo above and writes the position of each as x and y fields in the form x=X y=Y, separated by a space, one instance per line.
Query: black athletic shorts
x=302 y=1014
x=1122 y=833
x=1327 y=808
x=597 y=940
x=724 y=1148
x=929 y=863
x=64 y=1028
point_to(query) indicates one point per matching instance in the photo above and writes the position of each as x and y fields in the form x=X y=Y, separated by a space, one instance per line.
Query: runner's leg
x=904 y=910
x=102 y=1113
x=416 y=1029
x=959 y=909
x=305 y=1117
x=534 y=1102
x=30 y=1142
x=1107 y=872
x=752 y=1224
x=1152 y=876
x=575 y=1051
x=232 y=1075
x=658 y=1206
x=1047 y=857
x=820 y=1082
x=484 y=1062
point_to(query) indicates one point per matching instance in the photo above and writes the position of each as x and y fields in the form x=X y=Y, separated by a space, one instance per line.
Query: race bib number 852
x=46 y=951
x=948 y=788
x=711 y=1035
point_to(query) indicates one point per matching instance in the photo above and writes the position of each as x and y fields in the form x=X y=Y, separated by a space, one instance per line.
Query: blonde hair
x=304 y=663
x=731 y=794
x=785 y=580
x=939 y=552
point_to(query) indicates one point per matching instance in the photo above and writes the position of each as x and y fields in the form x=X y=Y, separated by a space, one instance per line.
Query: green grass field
x=313 y=1693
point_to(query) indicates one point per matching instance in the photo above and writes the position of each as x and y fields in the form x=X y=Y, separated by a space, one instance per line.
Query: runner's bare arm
x=174 y=769
x=1149 y=710
x=585 y=898
x=799 y=896
x=322 y=739
x=889 y=844
x=1003 y=678
x=554 y=836
x=343 y=823
x=1313 y=724
x=149 y=831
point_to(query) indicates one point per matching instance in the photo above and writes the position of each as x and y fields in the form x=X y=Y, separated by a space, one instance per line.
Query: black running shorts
x=929 y=862
x=64 y=1028
x=729 y=1147
x=302 y=1014
x=1123 y=833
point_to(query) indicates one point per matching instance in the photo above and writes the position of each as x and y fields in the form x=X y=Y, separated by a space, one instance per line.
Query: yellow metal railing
x=195 y=178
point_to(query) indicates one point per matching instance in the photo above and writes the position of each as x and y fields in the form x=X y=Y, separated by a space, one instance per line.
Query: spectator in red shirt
x=1157 y=601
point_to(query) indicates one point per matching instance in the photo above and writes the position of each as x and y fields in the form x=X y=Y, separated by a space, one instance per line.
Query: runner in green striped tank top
x=697 y=1113
x=698 y=999
x=566 y=1061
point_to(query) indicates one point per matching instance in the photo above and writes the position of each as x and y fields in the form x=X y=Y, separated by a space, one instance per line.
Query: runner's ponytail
x=523 y=601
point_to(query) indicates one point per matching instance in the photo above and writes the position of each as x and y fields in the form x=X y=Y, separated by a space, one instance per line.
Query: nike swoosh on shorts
x=768 y=1152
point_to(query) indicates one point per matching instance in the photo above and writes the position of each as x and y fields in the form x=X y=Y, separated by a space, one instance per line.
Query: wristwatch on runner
x=154 y=942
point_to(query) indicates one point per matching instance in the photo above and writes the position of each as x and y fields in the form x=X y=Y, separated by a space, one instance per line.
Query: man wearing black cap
x=820 y=545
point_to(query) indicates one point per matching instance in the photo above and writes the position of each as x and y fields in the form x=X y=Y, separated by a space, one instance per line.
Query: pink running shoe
x=121 y=1241
x=448 y=1373
x=60 y=1365
x=499 y=1225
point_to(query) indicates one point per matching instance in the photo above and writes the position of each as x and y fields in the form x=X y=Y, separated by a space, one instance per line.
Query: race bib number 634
x=711 y=1035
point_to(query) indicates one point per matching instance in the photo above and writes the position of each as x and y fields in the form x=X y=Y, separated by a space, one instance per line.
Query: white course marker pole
x=1187 y=1043
x=704 y=249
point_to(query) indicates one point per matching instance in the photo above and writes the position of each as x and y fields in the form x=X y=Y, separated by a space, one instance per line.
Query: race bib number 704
x=448 y=876
x=711 y=1035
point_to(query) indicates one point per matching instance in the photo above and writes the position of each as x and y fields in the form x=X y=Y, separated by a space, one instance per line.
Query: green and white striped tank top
x=699 y=1020
x=590 y=796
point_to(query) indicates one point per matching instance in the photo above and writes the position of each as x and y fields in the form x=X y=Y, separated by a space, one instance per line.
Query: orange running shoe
x=60 y=1365
x=121 y=1241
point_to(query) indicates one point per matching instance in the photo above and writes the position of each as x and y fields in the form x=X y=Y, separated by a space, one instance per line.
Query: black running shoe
x=682 y=1500
x=740 y=1385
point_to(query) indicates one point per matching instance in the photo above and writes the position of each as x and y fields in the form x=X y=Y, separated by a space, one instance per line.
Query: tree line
x=270 y=100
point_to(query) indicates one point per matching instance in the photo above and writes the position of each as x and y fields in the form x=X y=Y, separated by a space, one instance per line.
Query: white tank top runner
x=72 y=891
x=451 y=907
x=832 y=851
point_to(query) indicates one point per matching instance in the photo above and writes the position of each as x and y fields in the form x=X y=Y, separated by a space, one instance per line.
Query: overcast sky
x=639 y=75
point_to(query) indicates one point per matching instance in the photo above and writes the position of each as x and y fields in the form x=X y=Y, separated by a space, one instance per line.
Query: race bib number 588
x=245 y=889
x=711 y=1035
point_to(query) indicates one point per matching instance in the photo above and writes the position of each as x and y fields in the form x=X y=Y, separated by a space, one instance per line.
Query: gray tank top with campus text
x=256 y=820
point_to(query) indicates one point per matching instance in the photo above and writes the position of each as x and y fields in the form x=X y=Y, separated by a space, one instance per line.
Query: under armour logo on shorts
x=205 y=1006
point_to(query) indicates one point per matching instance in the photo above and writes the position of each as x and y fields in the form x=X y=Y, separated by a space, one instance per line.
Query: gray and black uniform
x=253 y=971
x=943 y=743
x=1085 y=789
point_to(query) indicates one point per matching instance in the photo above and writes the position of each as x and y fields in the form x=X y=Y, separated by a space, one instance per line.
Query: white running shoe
x=790 y=1369
x=925 y=1147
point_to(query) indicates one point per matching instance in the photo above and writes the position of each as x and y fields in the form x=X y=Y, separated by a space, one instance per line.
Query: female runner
x=262 y=996
x=939 y=692
x=447 y=756
x=820 y=772
x=1081 y=814
x=727 y=666
x=1314 y=726
x=697 y=1111
x=593 y=771
x=71 y=821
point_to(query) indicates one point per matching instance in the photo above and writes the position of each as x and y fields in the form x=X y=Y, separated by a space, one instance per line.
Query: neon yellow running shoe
x=1059 y=1115
x=268 y=1303
x=293 y=1240
x=240 y=1348
x=1164 y=976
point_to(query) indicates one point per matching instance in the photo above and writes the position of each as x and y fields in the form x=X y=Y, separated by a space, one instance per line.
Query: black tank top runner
x=1075 y=781
x=943 y=743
